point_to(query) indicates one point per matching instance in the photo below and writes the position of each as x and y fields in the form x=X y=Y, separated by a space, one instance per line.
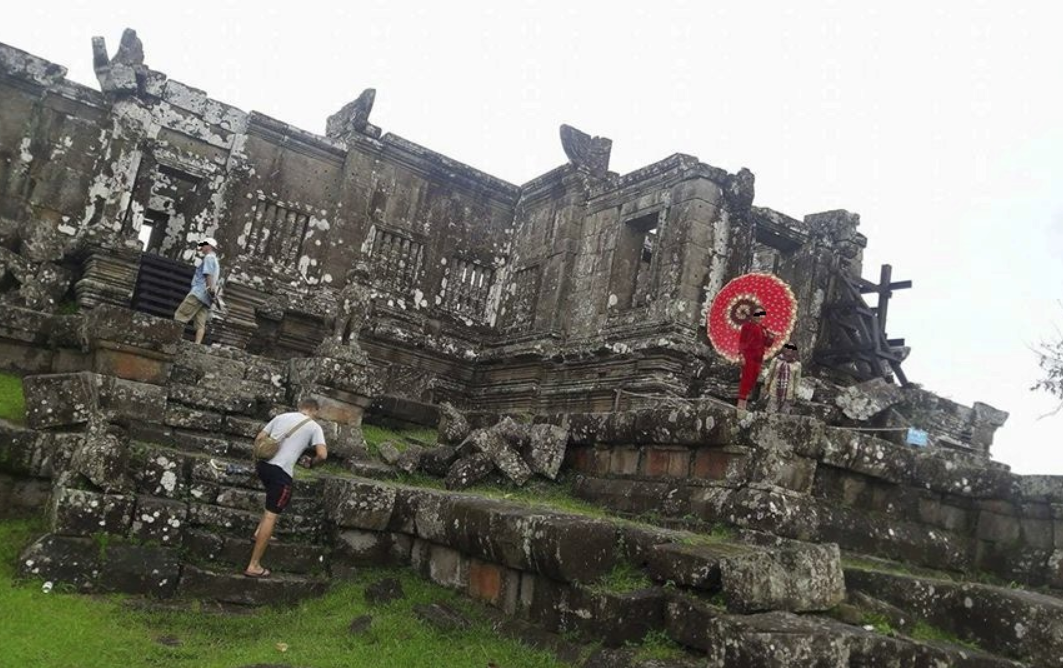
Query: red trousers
x=750 y=371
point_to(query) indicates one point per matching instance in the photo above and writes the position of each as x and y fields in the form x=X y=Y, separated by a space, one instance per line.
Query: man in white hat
x=196 y=306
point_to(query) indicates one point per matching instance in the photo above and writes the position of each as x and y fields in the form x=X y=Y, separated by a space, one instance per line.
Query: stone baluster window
x=277 y=233
x=396 y=261
x=466 y=285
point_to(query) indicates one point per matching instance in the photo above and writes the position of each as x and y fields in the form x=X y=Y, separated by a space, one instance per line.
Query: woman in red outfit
x=753 y=340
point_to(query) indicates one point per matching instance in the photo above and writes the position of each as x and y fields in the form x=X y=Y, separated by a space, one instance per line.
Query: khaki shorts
x=191 y=309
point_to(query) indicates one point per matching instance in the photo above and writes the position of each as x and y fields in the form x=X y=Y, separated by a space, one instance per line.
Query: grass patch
x=879 y=622
x=926 y=632
x=39 y=630
x=541 y=494
x=375 y=435
x=657 y=646
x=12 y=401
x=623 y=579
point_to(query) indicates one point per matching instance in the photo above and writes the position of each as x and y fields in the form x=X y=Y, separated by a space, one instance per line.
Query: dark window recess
x=466 y=286
x=396 y=261
x=632 y=280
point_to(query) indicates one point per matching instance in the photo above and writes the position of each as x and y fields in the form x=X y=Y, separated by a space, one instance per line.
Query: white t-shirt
x=310 y=434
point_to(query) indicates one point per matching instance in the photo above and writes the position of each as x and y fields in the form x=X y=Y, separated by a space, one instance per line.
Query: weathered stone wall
x=795 y=477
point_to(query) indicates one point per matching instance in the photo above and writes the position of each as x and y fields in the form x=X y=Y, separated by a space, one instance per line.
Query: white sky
x=940 y=123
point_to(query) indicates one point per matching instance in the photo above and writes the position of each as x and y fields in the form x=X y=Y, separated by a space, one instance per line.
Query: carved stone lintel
x=586 y=152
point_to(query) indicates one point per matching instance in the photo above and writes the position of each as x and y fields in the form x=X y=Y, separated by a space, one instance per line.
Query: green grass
x=12 y=401
x=623 y=579
x=543 y=494
x=376 y=435
x=657 y=646
x=926 y=632
x=60 y=629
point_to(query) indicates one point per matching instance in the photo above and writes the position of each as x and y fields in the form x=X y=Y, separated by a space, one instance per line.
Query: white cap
x=208 y=240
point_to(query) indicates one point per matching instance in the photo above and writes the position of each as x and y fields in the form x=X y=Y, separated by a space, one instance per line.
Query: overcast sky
x=941 y=124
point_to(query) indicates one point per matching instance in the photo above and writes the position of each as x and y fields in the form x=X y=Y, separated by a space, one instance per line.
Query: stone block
x=867 y=399
x=359 y=504
x=136 y=330
x=53 y=558
x=60 y=400
x=572 y=549
x=453 y=427
x=190 y=418
x=237 y=589
x=25 y=452
x=720 y=463
x=77 y=512
x=447 y=567
x=140 y=569
x=363 y=548
x=546 y=448
x=103 y=459
x=624 y=461
x=661 y=462
x=130 y=364
x=468 y=471
x=790 y=577
x=161 y=521
x=438 y=460
x=160 y=472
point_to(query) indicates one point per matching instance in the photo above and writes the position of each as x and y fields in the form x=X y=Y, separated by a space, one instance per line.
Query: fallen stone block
x=384 y=591
x=437 y=461
x=546 y=449
x=442 y=617
x=468 y=471
x=453 y=427
x=868 y=399
x=494 y=444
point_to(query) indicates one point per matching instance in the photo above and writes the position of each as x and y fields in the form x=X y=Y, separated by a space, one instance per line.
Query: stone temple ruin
x=551 y=330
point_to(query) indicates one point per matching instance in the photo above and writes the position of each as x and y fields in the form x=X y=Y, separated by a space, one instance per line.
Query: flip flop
x=264 y=573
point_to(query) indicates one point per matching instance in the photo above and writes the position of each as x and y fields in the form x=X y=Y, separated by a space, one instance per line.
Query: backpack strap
x=293 y=430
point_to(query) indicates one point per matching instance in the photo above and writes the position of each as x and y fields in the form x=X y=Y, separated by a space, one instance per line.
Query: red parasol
x=735 y=304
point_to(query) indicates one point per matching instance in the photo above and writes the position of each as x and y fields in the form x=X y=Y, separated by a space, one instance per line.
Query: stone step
x=234 y=587
x=793 y=576
x=242 y=523
x=786 y=640
x=1020 y=624
x=214 y=443
x=225 y=551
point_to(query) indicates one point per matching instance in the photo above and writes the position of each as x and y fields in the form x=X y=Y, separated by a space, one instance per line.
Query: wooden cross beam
x=884 y=288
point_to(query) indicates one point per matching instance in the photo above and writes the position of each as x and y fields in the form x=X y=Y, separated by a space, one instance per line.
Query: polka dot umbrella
x=735 y=305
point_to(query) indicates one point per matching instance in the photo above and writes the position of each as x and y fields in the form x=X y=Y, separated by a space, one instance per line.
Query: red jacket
x=753 y=340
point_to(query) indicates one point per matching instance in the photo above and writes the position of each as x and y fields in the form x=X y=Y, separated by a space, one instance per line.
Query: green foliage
x=924 y=631
x=12 y=401
x=623 y=579
x=542 y=494
x=39 y=630
x=68 y=307
x=657 y=646
x=375 y=435
x=879 y=622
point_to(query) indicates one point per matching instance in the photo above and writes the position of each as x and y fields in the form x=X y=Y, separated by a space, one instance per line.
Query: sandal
x=264 y=573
